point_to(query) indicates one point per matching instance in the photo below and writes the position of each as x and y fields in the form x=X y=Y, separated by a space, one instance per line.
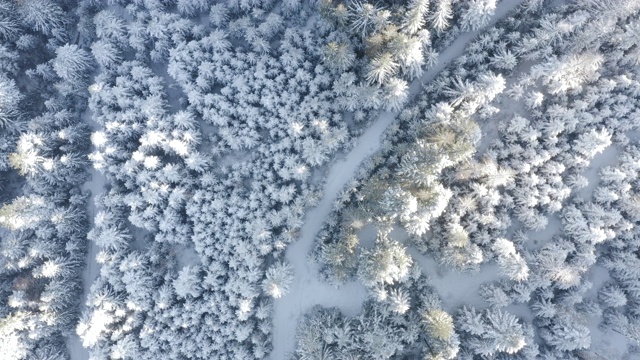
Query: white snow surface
x=307 y=290
x=94 y=186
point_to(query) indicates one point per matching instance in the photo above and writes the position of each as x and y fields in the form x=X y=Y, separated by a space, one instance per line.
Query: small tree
x=612 y=295
x=511 y=262
x=399 y=300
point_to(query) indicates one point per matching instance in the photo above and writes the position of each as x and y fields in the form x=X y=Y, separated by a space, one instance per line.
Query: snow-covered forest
x=322 y=179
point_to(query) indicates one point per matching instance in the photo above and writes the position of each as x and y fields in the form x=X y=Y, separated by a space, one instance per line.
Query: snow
x=603 y=342
x=456 y=288
x=609 y=157
x=307 y=290
x=537 y=239
x=467 y=284
x=94 y=186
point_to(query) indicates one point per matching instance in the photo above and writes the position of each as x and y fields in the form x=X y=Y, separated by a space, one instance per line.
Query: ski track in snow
x=95 y=185
x=307 y=290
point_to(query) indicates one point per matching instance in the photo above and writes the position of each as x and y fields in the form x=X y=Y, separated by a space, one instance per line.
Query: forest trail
x=307 y=290
x=95 y=185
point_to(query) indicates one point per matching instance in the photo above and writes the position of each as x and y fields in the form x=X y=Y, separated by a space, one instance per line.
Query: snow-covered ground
x=609 y=157
x=94 y=186
x=307 y=290
x=455 y=288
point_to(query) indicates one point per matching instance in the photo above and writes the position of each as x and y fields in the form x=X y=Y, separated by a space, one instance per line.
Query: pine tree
x=568 y=73
x=593 y=142
x=414 y=18
x=439 y=324
x=505 y=332
x=192 y=8
x=9 y=102
x=469 y=320
x=278 y=280
x=567 y=335
x=72 y=63
x=11 y=342
x=188 y=282
x=477 y=14
x=511 y=262
x=105 y=53
x=399 y=300
x=338 y=56
x=381 y=68
x=386 y=263
x=365 y=17
x=441 y=15
x=24 y=213
x=612 y=295
x=219 y=14
x=43 y=15
x=110 y=28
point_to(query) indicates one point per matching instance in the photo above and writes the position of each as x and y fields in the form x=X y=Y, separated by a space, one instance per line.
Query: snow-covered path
x=94 y=186
x=307 y=290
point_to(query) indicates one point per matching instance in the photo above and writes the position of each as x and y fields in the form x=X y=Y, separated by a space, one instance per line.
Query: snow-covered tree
x=366 y=17
x=381 y=68
x=441 y=15
x=338 y=56
x=396 y=93
x=192 y=7
x=570 y=72
x=72 y=62
x=105 y=53
x=477 y=14
x=490 y=332
x=399 y=300
x=505 y=332
x=278 y=280
x=386 y=263
x=612 y=295
x=592 y=142
x=188 y=282
x=439 y=324
x=24 y=213
x=511 y=262
x=414 y=18
x=9 y=102
x=567 y=335
x=43 y=15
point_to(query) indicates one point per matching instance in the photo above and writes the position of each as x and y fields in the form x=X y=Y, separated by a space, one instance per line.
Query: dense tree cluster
x=396 y=324
x=214 y=154
x=43 y=147
x=213 y=124
x=398 y=41
x=571 y=109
